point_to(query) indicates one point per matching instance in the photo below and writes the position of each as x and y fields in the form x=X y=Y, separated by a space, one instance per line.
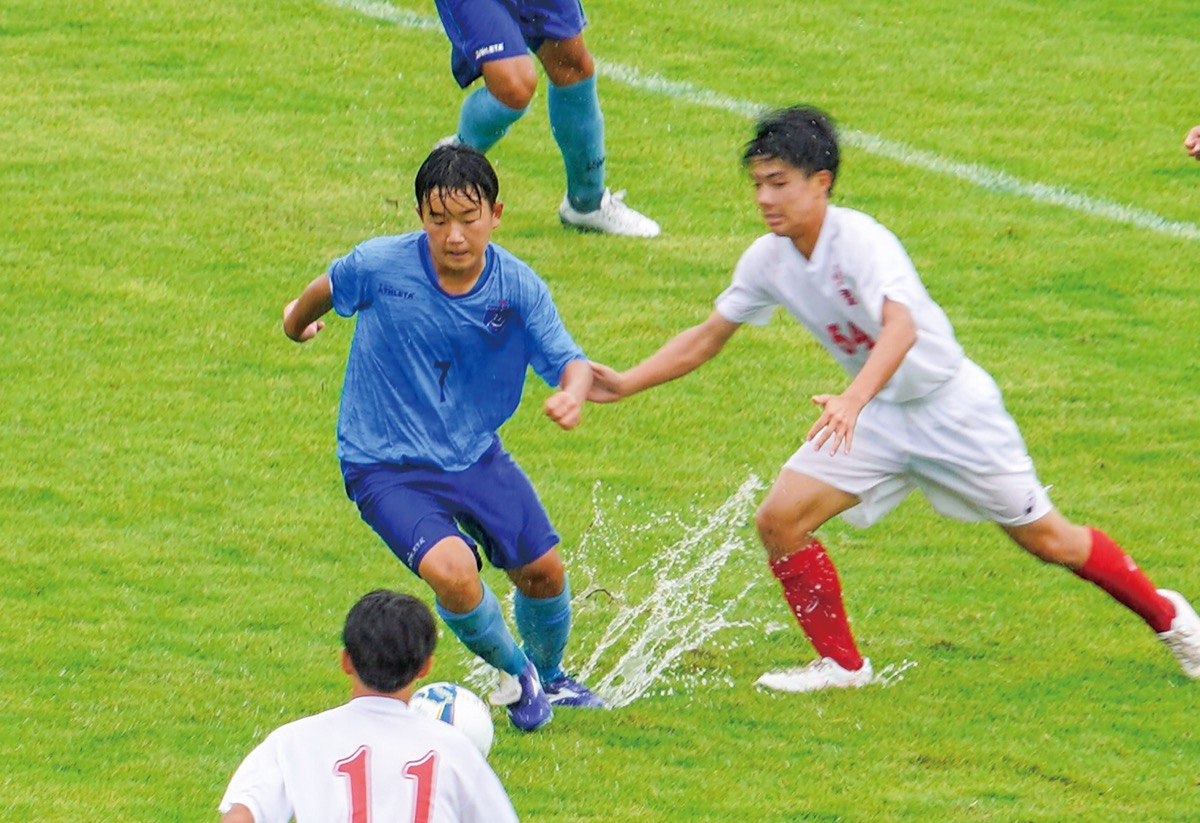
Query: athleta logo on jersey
x=495 y=317
x=394 y=292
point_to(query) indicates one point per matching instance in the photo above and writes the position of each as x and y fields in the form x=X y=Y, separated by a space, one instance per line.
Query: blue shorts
x=490 y=504
x=483 y=30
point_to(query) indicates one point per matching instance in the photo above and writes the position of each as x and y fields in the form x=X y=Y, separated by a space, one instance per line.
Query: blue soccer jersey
x=432 y=376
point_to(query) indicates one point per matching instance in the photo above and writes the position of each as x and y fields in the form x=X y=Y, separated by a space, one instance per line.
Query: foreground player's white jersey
x=368 y=760
x=838 y=295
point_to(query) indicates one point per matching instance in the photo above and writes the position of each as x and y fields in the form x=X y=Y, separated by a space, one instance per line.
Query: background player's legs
x=575 y=119
x=578 y=128
x=490 y=110
x=794 y=508
x=1092 y=555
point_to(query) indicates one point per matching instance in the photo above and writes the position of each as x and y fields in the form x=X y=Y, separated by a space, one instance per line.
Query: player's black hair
x=458 y=169
x=389 y=636
x=801 y=136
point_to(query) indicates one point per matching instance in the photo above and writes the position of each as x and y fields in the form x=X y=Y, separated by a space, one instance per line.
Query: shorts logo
x=496 y=317
x=494 y=48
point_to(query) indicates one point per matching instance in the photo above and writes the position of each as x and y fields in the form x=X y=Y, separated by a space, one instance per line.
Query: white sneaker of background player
x=825 y=673
x=1183 y=638
x=613 y=217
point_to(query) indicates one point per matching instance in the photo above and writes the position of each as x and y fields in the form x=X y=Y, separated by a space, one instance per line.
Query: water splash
x=678 y=601
x=684 y=608
x=892 y=674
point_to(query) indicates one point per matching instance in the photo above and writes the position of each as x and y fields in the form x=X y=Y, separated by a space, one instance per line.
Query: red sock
x=812 y=590
x=1110 y=568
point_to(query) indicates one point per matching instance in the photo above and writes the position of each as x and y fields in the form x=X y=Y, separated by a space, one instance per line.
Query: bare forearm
x=301 y=316
x=683 y=353
x=577 y=379
x=888 y=353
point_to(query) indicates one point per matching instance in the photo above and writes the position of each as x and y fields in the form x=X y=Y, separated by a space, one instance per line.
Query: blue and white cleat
x=531 y=710
x=569 y=692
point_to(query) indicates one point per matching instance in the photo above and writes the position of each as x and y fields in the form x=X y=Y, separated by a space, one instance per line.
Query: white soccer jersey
x=368 y=760
x=839 y=295
x=938 y=425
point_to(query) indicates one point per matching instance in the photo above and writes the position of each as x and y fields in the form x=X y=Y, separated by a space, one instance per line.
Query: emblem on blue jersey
x=495 y=317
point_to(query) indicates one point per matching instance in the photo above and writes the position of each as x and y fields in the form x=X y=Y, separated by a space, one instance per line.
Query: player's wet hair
x=457 y=169
x=801 y=136
x=389 y=636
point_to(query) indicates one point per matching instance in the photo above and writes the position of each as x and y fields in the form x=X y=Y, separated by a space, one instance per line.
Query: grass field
x=178 y=553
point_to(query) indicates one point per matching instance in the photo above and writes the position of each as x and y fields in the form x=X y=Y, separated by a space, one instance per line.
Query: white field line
x=981 y=176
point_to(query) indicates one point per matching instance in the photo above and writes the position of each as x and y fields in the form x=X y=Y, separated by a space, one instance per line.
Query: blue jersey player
x=447 y=325
x=493 y=39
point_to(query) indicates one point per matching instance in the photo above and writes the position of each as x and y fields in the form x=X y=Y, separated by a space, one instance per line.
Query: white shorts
x=958 y=445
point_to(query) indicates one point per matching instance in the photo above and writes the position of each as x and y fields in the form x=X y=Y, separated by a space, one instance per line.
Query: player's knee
x=454 y=577
x=570 y=69
x=778 y=532
x=514 y=89
x=542 y=578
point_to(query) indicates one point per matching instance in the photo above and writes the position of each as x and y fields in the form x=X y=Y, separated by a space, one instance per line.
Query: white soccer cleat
x=1183 y=638
x=613 y=217
x=448 y=140
x=825 y=673
x=508 y=690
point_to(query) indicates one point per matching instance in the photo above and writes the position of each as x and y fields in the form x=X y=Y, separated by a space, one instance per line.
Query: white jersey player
x=371 y=758
x=916 y=414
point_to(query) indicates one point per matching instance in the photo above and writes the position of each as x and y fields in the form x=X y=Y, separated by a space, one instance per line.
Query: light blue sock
x=545 y=624
x=484 y=120
x=483 y=631
x=578 y=128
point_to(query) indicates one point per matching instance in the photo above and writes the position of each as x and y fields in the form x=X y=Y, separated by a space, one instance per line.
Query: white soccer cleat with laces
x=1183 y=638
x=825 y=673
x=613 y=217
x=508 y=690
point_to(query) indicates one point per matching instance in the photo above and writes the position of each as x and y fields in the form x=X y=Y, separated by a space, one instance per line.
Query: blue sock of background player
x=578 y=128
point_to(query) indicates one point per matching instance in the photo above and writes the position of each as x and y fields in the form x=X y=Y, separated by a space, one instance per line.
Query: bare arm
x=302 y=316
x=839 y=412
x=565 y=406
x=237 y=814
x=683 y=353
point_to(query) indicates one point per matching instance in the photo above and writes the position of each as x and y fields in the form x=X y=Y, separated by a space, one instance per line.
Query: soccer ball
x=458 y=706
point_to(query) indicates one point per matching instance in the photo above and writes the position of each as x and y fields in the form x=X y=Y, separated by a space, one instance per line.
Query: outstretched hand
x=606 y=384
x=310 y=331
x=1192 y=142
x=838 y=418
